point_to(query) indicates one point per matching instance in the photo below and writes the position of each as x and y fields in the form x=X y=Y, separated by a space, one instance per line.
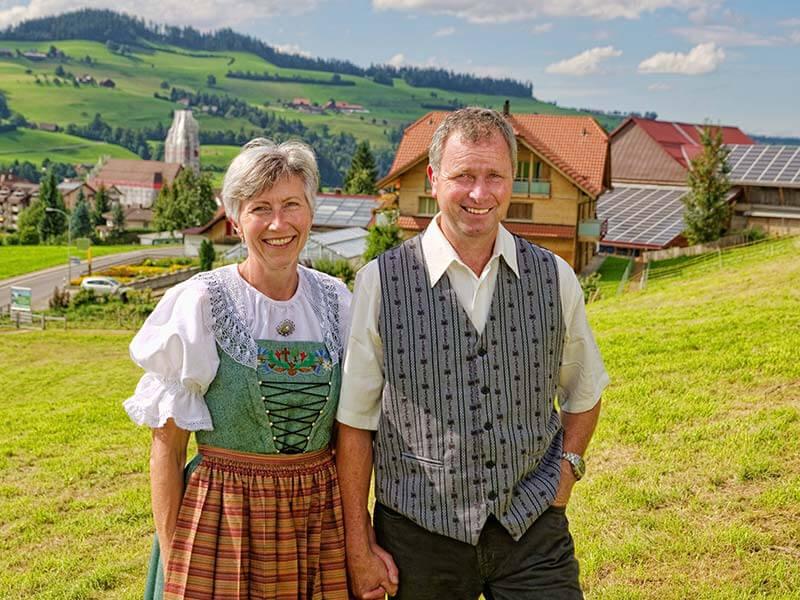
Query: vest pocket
x=423 y=460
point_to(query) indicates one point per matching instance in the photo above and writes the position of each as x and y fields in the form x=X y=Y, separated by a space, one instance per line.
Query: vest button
x=481 y=351
x=492 y=495
x=488 y=426
x=489 y=464
x=485 y=390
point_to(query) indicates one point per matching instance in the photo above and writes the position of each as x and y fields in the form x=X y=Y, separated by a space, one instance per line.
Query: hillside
x=147 y=69
x=696 y=461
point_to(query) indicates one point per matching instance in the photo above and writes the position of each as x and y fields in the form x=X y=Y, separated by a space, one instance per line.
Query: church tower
x=183 y=141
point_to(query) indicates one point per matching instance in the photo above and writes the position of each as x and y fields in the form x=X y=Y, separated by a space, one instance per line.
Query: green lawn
x=35 y=146
x=18 y=260
x=611 y=272
x=693 y=488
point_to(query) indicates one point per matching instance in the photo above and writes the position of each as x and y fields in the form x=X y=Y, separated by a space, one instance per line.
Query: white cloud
x=398 y=60
x=585 y=63
x=506 y=11
x=659 y=87
x=725 y=35
x=542 y=28
x=790 y=22
x=291 y=49
x=203 y=14
x=703 y=58
x=444 y=32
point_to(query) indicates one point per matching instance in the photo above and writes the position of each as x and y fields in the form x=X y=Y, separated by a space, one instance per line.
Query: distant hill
x=106 y=25
x=777 y=140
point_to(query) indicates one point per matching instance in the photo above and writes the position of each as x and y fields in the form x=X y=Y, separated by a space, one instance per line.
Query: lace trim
x=228 y=316
x=325 y=303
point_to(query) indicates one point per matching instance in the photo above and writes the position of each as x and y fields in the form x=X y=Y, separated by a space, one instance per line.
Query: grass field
x=611 y=273
x=693 y=488
x=18 y=260
x=139 y=75
x=35 y=146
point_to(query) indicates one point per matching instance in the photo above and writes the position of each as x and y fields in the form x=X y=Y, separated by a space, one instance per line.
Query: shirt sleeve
x=177 y=350
x=362 y=376
x=583 y=376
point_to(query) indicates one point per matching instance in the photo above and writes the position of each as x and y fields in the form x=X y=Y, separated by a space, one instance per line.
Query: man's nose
x=480 y=189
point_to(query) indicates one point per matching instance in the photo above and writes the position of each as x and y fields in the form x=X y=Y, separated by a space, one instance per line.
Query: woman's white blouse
x=177 y=349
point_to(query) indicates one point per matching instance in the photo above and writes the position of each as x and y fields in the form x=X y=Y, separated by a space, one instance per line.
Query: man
x=461 y=340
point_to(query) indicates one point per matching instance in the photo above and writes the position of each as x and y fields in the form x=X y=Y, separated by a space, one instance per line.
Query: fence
x=35 y=320
x=718 y=259
x=726 y=242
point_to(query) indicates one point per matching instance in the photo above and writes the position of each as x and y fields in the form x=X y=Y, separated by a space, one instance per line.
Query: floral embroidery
x=287 y=362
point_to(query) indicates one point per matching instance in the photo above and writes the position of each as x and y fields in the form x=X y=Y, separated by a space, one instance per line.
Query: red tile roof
x=682 y=140
x=136 y=173
x=575 y=145
x=410 y=223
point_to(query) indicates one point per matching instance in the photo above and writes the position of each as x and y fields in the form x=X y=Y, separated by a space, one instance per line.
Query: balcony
x=534 y=187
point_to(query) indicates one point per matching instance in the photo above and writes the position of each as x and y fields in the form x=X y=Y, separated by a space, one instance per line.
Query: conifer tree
x=53 y=223
x=362 y=174
x=101 y=206
x=80 y=222
x=707 y=211
x=118 y=218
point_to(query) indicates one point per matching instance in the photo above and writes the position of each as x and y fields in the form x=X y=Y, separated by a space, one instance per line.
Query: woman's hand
x=167 y=459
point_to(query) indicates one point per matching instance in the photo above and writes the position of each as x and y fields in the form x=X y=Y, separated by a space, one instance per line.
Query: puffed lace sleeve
x=176 y=348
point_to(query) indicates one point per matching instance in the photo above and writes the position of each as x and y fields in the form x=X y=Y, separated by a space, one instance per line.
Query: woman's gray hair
x=475 y=124
x=261 y=164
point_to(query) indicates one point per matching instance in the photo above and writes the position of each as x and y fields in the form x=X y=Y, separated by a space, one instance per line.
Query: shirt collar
x=439 y=254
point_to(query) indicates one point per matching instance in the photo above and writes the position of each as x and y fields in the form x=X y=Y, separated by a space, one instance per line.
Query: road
x=43 y=282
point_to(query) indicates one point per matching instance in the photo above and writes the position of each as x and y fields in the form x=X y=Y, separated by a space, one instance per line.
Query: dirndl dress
x=261 y=515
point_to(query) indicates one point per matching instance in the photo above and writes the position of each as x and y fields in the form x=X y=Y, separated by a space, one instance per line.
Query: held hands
x=372 y=571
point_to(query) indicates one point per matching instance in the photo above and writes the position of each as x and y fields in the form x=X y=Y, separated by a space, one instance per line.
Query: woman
x=248 y=357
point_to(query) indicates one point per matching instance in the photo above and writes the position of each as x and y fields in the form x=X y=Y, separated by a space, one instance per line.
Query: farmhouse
x=138 y=181
x=563 y=167
x=650 y=161
x=15 y=196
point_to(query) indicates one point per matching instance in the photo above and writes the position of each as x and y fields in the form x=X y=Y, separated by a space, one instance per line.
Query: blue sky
x=728 y=61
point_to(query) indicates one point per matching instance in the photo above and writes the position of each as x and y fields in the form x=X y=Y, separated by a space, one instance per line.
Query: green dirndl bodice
x=286 y=405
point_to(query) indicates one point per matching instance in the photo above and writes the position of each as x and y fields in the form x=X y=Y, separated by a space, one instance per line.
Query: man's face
x=473 y=188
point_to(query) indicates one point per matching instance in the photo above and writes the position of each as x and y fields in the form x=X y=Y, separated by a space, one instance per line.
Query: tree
x=5 y=113
x=380 y=239
x=118 y=218
x=211 y=81
x=101 y=206
x=188 y=202
x=707 y=211
x=53 y=223
x=207 y=255
x=80 y=221
x=361 y=177
x=28 y=223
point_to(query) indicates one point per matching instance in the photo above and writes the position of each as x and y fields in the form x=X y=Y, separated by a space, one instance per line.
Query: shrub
x=84 y=298
x=590 y=285
x=29 y=236
x=12 y=239
x=60 y=299
x=340 y=269
x=207 y=255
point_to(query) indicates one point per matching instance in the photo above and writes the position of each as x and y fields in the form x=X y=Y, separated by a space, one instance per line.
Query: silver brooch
x=285 y=328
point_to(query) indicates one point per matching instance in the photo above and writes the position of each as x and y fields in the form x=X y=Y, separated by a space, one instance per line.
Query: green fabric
x=239 y=397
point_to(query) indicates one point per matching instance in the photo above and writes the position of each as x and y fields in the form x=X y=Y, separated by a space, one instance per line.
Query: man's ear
x=432 y=179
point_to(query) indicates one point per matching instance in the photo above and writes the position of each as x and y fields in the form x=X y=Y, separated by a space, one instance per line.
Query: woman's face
x=276 y=224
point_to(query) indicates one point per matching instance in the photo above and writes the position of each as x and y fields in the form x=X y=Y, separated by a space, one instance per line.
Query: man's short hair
x=474 y=124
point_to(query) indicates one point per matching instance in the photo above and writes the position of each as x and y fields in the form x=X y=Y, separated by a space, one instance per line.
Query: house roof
x=339 y=210
x=219 y=215
x=765 y=165
x=136 y=173
x=575 y=145
x=681 y=141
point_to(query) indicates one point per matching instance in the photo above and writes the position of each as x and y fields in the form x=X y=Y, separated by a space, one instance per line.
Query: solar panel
x=764 y=164
x=344 y=211
x=642 y=214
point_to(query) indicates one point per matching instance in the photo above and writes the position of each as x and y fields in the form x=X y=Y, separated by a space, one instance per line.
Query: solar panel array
x=765 y=164
x=343 y=211
x=348 y=244
x=642 y=215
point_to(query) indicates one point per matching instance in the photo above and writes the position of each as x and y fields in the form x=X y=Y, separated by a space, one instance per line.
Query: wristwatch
x=576 y=460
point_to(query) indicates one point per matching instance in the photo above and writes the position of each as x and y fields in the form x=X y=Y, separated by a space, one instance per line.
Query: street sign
x=21 y=304
x=74 y=260
x=83 y=243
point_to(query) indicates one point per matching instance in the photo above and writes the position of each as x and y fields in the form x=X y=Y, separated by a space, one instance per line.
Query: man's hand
x=564 y=484
x=372 y=572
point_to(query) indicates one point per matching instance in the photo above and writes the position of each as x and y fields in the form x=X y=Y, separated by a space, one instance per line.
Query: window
x=523 y=170
x=520 y=211
x=427 y=206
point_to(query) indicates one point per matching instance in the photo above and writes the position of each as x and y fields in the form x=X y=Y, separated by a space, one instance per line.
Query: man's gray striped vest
x=468 y=425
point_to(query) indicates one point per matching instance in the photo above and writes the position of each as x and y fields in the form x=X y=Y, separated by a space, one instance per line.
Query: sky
x=725 y=61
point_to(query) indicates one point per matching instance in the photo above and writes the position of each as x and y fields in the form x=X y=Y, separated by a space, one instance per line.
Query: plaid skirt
x=260 y=527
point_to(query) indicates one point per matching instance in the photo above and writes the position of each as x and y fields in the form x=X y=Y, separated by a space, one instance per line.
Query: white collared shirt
x=582 y=377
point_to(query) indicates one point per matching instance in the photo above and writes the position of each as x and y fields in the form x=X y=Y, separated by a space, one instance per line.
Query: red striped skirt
x=261 y=527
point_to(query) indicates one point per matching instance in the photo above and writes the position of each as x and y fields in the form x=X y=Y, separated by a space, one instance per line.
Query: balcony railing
x=534 y=187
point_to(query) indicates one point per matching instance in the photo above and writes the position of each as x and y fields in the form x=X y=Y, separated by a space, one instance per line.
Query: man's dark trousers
x=541 y=565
